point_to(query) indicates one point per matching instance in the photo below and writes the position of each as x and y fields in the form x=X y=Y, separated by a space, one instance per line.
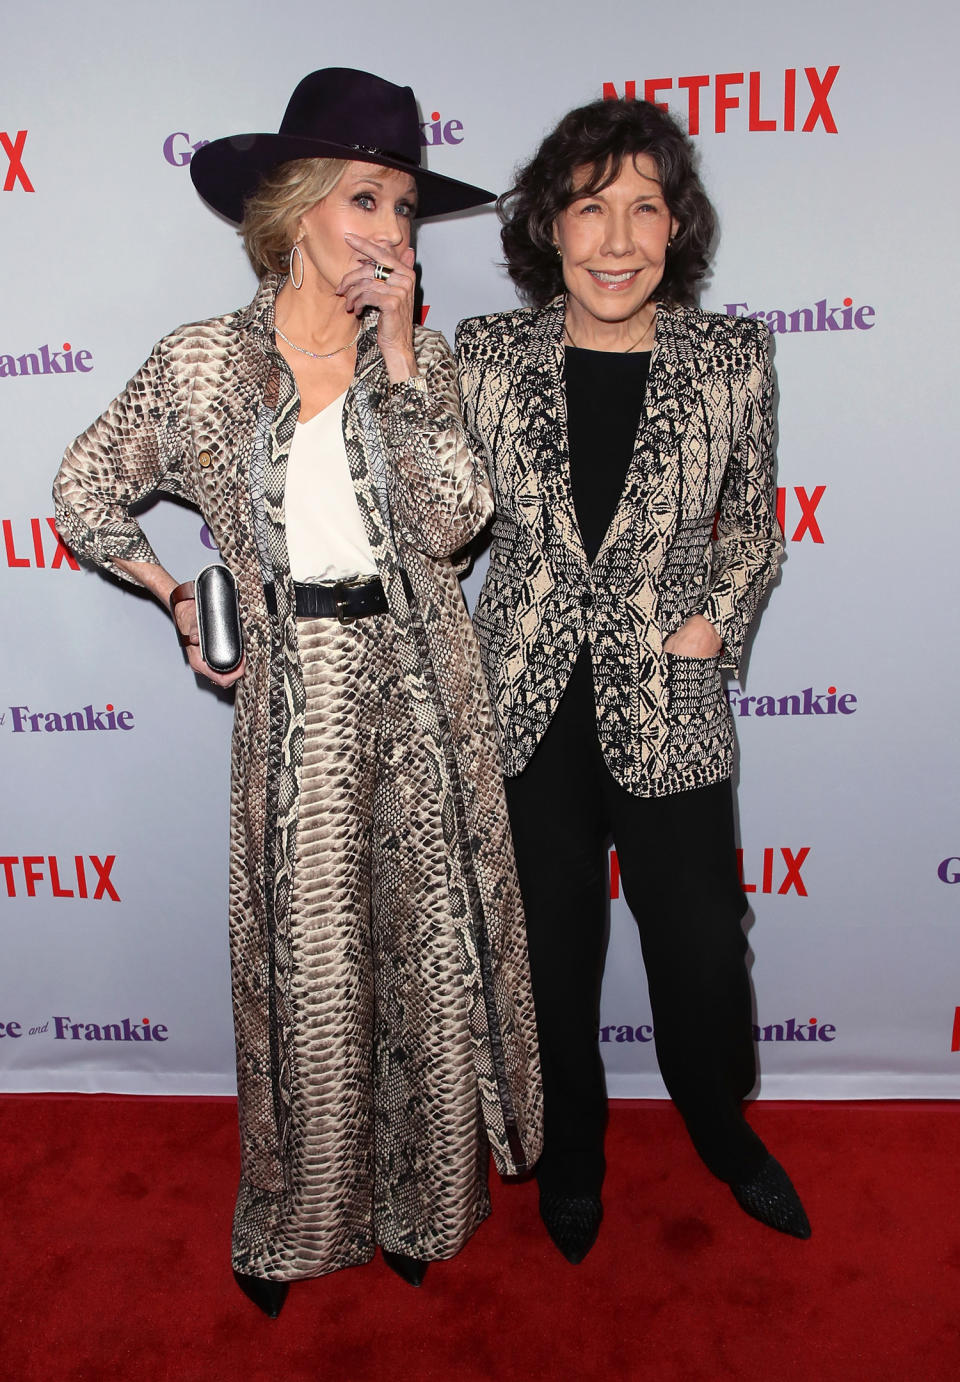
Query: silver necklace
x=640 y=341
x=314 y=354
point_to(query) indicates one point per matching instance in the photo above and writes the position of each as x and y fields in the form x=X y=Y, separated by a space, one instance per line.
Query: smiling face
x=613 y=245
x=377 y=203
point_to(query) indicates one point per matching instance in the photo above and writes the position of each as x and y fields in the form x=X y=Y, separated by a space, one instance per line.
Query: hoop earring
x=295 y=249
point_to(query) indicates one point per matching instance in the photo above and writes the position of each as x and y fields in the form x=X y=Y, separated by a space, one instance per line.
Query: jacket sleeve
x=441 y=496
x=132 y=450
x=748 y=542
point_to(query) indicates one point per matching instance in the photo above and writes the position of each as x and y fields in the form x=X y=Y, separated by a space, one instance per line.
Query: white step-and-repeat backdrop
x=827 y=135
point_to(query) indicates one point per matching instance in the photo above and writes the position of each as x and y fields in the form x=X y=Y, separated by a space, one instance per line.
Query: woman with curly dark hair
x=629 y=436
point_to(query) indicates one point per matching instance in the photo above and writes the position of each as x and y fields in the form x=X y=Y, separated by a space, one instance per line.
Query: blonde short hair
x=270 y=216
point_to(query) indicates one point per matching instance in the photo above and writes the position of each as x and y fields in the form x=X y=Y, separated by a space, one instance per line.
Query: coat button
x=205 y=459
x=586 y=599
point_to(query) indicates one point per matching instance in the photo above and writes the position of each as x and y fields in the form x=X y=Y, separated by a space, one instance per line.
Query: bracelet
x=184 y=591
x=414 y=383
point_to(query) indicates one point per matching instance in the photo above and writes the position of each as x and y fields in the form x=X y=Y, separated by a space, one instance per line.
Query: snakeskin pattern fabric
x=695 y=531
x=374 y=991
x=210 y=418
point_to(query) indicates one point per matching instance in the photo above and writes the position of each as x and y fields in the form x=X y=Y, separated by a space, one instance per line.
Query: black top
x=605 y=393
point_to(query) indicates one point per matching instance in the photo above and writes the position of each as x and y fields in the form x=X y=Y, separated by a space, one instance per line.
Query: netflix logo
x=16 y=174
x=797 y=512
x=779 y=871
x=35 y=542
x=758 y=102
x=53 y=875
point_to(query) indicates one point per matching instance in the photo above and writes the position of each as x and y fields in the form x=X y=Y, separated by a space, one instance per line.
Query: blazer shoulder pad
x=429 y=345
x=492 y=331
x=744 y=332
x=198 y=335
x=716 y=333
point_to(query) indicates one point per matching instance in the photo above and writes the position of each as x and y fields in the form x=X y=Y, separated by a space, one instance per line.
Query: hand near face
x=393 y=297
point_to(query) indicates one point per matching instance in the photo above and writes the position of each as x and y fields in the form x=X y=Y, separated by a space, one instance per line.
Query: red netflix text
x=52 y=875
x=35 y=542
x=770 y=101
x=777 y=875
x=12 y=146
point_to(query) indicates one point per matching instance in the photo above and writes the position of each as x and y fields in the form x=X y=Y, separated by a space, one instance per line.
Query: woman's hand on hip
x=393 y=296
x=157 y=579
x=696 y=637
x=185 y=618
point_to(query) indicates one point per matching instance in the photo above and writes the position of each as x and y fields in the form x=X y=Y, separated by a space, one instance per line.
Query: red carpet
x=116 y=1217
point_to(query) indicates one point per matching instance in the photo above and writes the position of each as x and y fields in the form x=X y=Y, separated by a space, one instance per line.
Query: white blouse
x=326 y=540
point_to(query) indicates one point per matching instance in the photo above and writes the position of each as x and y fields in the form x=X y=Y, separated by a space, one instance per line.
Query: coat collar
x=675 y=344
x=657 y=447
x=259 y=319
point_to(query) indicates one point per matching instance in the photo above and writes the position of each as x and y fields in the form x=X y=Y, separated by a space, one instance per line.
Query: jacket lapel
x=544 y=443
x=650 y=501
x=367 y=458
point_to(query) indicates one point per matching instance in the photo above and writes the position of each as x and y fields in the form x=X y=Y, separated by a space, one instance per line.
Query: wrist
x=177 y=593
x=401 y=366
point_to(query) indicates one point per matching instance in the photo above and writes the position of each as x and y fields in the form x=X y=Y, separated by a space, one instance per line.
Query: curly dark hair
x=599 y=137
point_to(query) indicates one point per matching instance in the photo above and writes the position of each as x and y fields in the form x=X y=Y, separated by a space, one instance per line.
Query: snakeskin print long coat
x=695 y=531
x=210 y=418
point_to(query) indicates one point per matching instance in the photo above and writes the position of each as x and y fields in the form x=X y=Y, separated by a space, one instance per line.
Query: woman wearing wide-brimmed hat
x=384 y=1026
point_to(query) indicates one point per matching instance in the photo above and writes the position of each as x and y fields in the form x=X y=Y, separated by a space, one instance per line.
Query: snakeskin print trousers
x=386 y=1143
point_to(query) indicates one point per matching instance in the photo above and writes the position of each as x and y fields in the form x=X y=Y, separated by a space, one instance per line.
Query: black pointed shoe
x=572 y=1221
x=770 y=1197
x=410 y=1269
x=268 y=1295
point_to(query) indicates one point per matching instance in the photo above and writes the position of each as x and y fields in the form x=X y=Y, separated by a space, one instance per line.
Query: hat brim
x=228 y=171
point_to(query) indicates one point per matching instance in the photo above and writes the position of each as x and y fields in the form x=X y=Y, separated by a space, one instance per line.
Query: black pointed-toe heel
x=268 y=1295
x=770 y=1198
x=572 y=1221
x=409 y=1268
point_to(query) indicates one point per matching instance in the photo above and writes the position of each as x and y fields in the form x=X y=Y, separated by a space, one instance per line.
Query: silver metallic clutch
x=218 y=618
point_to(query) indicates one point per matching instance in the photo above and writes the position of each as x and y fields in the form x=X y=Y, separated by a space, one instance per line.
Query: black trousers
x=679 y=876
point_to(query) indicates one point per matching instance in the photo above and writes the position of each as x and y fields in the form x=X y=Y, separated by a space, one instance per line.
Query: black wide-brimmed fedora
x=337 y=112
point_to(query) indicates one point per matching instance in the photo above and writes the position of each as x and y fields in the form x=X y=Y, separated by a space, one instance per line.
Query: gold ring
x=382 y=271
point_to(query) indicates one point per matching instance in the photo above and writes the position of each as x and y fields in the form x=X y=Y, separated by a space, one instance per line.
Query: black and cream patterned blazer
x=702 y=454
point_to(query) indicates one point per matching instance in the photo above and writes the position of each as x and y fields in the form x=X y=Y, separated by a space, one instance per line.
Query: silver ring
x=382 y=271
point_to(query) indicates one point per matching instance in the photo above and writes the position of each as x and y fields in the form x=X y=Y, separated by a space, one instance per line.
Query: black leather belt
x=339 y=601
